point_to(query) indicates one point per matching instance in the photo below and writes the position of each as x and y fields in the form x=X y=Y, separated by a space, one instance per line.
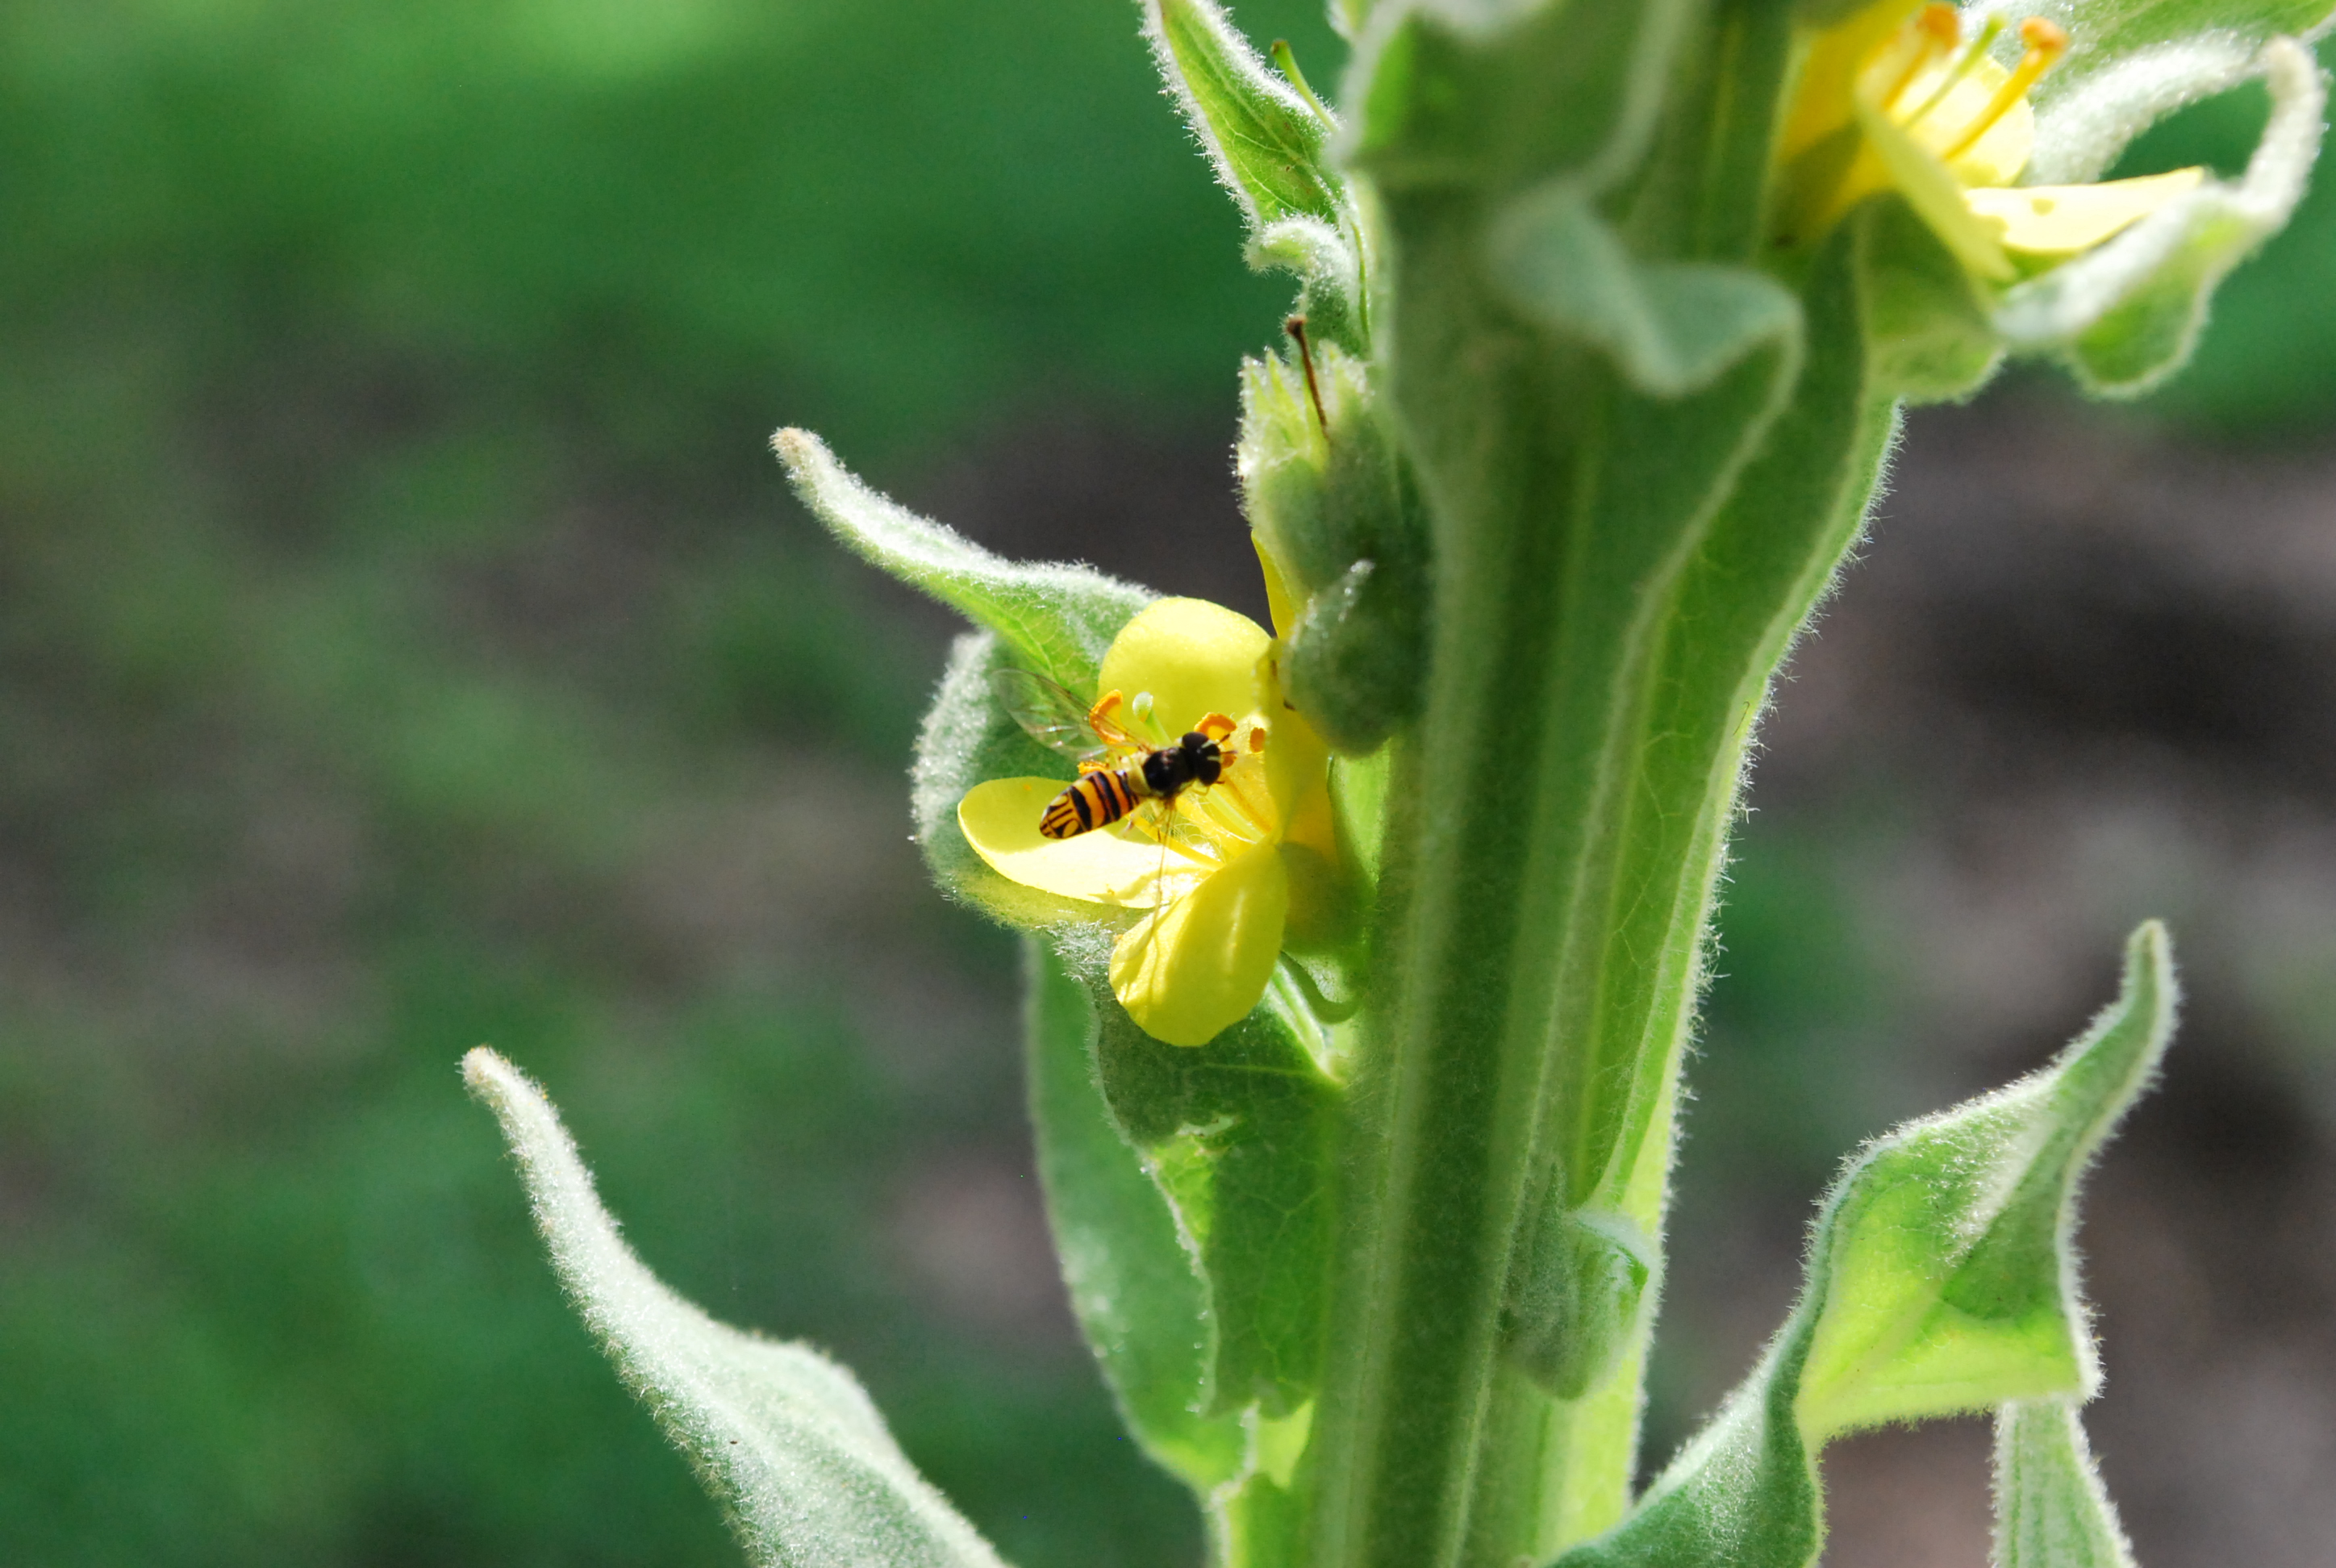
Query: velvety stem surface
x=1615 y=586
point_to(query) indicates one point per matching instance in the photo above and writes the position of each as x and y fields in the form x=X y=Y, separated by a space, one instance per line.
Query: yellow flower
x=1209 y=873
x=1895 y=97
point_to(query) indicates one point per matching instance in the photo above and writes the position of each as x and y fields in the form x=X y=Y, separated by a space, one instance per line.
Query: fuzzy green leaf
x=785 y=1440
x=2118 y=27
x=1239 y=1134
x=1672 y=326
x=1940 y=1279
x=1134 y=1281
x=2050 y=1508
x=1056 y=620
x=2084 y=121
x=1927 y=333
x=1322 y=258
x=968 y=738
x=2126 y=314
x=1189 y=1193
x=1265 y=138
x=2132 y=62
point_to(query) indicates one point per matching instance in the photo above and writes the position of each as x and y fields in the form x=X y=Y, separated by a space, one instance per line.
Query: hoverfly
x=1118 y=772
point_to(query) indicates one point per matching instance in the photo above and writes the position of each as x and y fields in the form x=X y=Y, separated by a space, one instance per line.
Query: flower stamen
x=1894 y=95
x=2047 y=42
x=1248 y=825
x=1967 y=62
x=1917 y=46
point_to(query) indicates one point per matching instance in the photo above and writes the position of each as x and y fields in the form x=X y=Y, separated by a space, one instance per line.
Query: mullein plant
x=1364 y=952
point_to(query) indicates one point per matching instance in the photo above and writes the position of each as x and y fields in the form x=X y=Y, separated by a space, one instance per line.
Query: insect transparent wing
x=1047 y=713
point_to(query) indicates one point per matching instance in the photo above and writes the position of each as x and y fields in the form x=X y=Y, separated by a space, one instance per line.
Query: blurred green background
x=405 y=642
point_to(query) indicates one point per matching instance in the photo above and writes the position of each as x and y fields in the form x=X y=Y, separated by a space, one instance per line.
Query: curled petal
x=1000 y=821
x=1188 y=972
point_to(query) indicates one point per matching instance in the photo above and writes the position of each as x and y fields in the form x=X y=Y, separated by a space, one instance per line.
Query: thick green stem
x=1613 y=592
x=1617 y=575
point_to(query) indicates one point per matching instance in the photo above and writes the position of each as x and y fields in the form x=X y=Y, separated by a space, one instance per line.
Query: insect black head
x=1168 y=770
x=1207 y=758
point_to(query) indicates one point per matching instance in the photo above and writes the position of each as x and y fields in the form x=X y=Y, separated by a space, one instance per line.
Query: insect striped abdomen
x=1097 y=800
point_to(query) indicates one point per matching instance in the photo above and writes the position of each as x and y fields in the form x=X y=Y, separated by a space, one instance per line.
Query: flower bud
x=1339 y=524
x=1575 y=1302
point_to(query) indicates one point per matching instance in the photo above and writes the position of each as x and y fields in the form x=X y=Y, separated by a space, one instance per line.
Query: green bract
x=1268 y=136
x=1355 y=1073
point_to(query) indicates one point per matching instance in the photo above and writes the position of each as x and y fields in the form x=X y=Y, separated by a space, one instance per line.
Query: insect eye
x=1195 y=741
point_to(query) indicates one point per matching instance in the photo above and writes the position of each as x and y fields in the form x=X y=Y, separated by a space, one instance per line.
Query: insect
x=1117 y=773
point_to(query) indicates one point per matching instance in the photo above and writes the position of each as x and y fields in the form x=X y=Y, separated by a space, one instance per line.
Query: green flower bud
x=1337 y=522
x=1573 y=1306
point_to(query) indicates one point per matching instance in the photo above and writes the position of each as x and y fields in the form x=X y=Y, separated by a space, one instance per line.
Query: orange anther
x=1930 y=33
x=1941 y=24
x=2045 y=36
x=2047 y=42
x=1958 y=72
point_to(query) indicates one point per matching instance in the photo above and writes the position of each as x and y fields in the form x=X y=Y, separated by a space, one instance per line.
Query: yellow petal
x=1188 y=972
x=1296 y=760
x=1194 y=657
x=2062 y=219
x=1322 y=896
x=1000 y=821
x=2002 y=152
x=1829 y=73
x=1236 y=812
